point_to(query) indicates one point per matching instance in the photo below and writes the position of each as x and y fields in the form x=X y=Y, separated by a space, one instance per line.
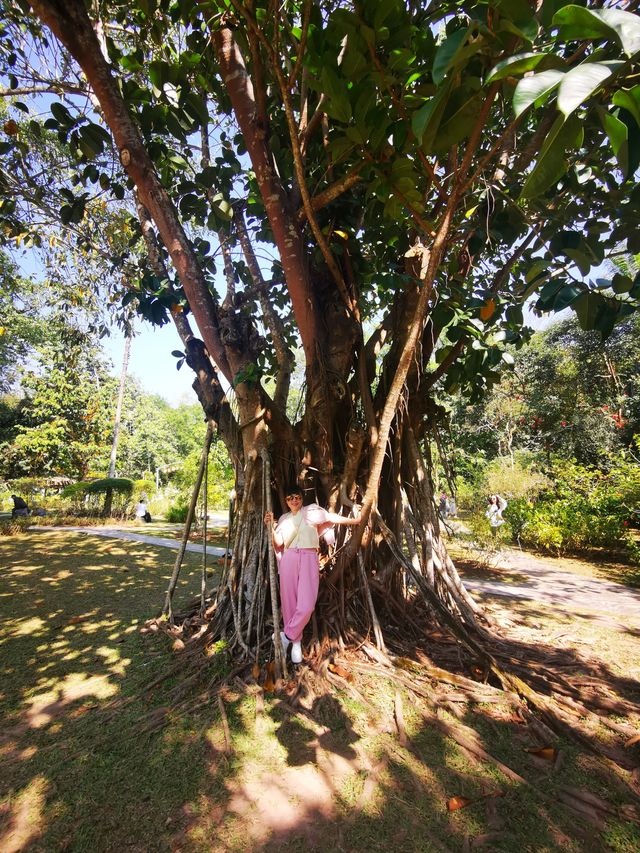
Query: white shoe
x=285 y=642
x=296 y=653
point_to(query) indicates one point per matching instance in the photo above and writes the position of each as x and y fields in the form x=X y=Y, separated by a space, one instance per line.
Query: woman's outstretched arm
x=334 y=518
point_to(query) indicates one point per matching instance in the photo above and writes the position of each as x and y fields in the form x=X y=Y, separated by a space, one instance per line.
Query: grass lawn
x=84 y=771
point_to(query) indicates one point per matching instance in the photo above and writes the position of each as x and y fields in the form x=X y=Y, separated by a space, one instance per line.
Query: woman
x=495 y=508
x=296 y=538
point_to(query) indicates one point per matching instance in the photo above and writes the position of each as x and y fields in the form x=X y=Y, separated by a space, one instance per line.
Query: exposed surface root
x=551 y=690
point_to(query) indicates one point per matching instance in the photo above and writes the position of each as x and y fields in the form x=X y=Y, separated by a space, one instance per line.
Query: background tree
x=569 y=394
x=63 y=422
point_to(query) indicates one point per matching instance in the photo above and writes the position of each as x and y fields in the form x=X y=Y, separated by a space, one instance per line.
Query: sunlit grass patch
x=22 y=816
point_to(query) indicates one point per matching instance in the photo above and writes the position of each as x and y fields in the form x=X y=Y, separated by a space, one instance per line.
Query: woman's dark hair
x=294 y=489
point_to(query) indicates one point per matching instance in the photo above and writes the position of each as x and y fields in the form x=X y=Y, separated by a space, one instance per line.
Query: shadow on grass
x=74 y=777
x=78 y=774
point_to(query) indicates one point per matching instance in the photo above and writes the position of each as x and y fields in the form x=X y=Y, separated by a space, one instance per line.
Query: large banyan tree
x=381 y=186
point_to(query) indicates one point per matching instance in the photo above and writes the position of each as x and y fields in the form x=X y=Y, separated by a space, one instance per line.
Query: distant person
x=20 y=507
x=495 y=508
x=142 y=513
x=443 y=506
x=453 y=508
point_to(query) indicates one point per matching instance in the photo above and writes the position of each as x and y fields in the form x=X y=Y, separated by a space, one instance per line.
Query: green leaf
x=221 y=207
x=549 y=8
x=548 y=295
x=566 y=296
x=610 y=312
x=61 y=113
x=586 y=307
x=158 y=75
x=130 y=62
x=383 y=10
x=339 y=146
x=421 y=116
x=65 y=214
x=458 y=125
x=551 y=163
x=428 y=122
x=535 y=88
x=576 y=22
x=516 y=16
x=580 y=83
x=526 y=30
x=621 y=283
x=617 y=132
x=537 y=270
x=633 y=136
x=338 y=105
x=448 y=53
x=629 y=99
x=521 y=62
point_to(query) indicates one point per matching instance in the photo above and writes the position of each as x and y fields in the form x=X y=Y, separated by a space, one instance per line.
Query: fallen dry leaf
x=549 y=753
x=255 y=671
x=341 y=671
x=455 y=803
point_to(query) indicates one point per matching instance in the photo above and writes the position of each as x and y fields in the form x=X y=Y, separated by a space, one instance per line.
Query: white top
x=141 y=509
x=301 y=530
x=494 y=512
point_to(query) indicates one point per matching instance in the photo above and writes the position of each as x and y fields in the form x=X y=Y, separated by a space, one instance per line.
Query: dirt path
x=128 y=535
x=539 y=580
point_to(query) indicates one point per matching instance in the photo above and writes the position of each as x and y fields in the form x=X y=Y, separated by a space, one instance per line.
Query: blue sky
x=152 y=363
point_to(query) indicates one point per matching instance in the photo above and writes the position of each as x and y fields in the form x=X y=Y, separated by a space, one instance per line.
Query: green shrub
x=586 y=508
x=559 y=525
x=177 y=514
x=14 y=526
x=484 y=536
x=512 y=478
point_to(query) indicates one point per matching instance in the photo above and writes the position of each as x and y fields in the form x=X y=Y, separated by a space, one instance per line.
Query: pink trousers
x=299 y=582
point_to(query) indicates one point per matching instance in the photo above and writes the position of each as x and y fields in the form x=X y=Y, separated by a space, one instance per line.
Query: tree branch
x=332 y=192
x=306 y=15
x=299 y=168
x=45 y=88
x=285 y=232
x=272 y=320
x=72 y=27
